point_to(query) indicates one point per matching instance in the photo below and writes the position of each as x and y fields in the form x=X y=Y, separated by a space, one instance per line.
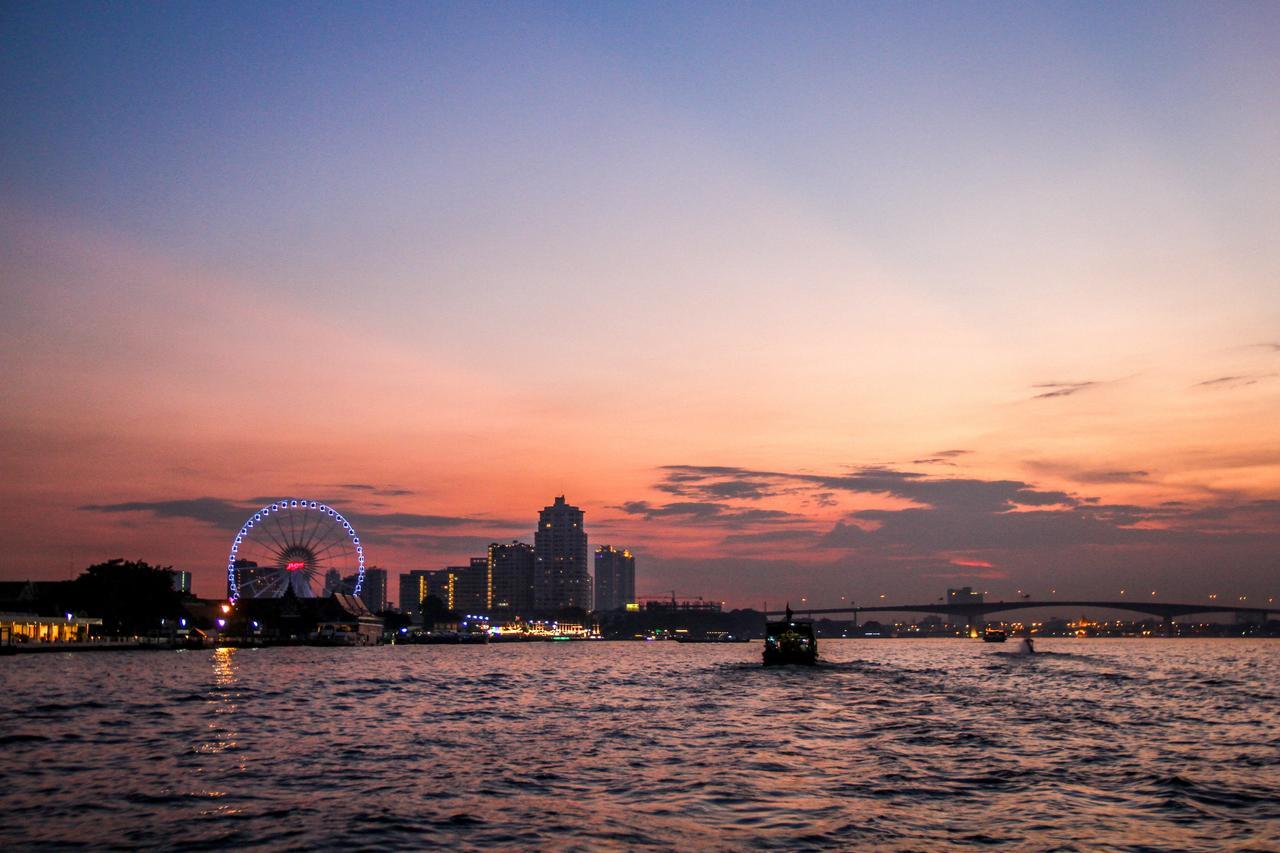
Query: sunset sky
x=792 y=299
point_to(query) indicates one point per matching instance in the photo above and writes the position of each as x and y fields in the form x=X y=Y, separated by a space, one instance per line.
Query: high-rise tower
x=615 y=578
x=512 y=568
x=374 y=590
x=562 y=577
x=413 y=589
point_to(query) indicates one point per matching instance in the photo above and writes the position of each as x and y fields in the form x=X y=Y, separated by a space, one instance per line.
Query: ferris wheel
x=297 y=545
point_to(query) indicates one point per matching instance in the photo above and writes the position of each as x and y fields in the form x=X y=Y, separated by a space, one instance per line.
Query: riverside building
x=615 y=578
x=963 y=595
x=562 y=577
x=373 y=592
x=464 y=589
x=413 y=589
x=511 y=570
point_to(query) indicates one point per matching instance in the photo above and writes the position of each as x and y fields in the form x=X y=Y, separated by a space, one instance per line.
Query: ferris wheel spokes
x=299 y=552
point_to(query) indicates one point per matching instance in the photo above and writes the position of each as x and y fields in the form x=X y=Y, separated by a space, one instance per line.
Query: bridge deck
x=970 y=611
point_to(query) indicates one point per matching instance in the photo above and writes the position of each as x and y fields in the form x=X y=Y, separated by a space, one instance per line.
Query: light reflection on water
x=222 y=701
x=898 y=744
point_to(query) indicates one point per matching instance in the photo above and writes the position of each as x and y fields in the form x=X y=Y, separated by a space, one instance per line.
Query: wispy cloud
x=705 y=512
x=375 y=490
x=1062 y=389
x=1067 y=471
x=908 y=485
x=1135 y=476
x=216 y=511
x=797 y=536
x=725 y=489
x=941 y=457
x=231 y=513
x=1239 y=381
x=957 y=522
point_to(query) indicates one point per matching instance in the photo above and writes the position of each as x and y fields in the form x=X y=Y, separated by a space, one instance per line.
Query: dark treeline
x=130 y=597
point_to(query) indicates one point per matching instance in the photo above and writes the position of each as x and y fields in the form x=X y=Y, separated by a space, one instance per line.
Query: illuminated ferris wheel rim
x=290 y=504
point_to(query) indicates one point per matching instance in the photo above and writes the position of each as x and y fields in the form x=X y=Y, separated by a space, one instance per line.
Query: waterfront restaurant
x=29 y=628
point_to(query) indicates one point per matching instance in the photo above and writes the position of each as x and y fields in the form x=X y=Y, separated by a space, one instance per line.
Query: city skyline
x=795 y=301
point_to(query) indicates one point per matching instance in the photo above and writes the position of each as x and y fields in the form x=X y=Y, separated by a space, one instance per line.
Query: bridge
x=974 y=612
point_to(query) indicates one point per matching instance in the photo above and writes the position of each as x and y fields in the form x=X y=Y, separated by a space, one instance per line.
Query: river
x=891 y=744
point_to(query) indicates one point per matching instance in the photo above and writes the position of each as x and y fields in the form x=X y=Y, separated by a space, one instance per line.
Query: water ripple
x=1127 y=745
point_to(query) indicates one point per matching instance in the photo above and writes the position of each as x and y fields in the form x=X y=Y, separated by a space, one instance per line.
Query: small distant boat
x=712 y=637
x=994 y=635
x=449 y=638
x=790 y=641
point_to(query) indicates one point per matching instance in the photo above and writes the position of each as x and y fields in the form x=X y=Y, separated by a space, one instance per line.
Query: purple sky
x=793 y=299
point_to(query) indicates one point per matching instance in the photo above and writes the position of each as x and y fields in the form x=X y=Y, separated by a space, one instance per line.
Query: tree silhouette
x=130 y=597
x=434 y=610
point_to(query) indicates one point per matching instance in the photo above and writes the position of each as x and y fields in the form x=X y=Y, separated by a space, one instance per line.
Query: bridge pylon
x=975 y=620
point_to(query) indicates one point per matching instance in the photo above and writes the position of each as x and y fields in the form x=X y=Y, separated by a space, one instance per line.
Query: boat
x=448 y=638
x=712 y=637
x=790 y=641
x=994 y=635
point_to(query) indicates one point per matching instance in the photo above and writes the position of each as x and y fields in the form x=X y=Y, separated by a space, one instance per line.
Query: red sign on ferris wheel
x=294 y=567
